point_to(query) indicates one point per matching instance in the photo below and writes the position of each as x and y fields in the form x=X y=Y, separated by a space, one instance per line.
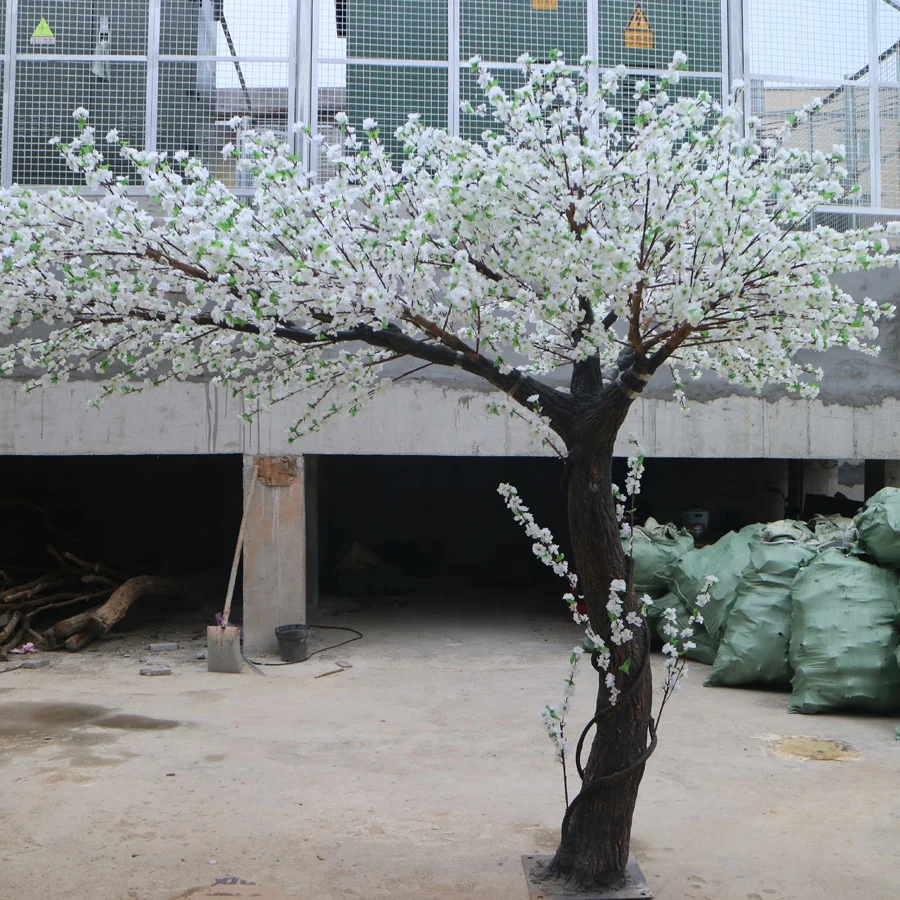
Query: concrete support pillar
x=892 y=473
x=275 y=550
x=820 y=476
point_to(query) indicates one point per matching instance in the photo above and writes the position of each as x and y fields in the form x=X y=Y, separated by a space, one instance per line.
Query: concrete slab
x=422 y=772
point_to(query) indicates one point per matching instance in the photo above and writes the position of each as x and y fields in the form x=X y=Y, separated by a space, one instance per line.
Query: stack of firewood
x=100 y=597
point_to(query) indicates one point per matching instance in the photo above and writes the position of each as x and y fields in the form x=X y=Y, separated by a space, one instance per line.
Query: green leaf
x=626 y=667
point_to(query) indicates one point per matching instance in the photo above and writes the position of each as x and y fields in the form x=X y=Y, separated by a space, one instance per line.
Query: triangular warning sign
x=42 y=29
x=638 y=33
x=43 y=33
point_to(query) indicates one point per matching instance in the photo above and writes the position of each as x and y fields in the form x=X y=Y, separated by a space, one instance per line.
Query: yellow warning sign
x=544 y=5
x=43 y=33
x=638 y=33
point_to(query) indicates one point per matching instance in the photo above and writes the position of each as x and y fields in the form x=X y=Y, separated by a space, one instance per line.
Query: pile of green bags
x=816 y=609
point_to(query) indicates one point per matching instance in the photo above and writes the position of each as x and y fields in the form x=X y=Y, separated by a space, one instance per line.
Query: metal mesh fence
x=172 y=74
x=847 y=54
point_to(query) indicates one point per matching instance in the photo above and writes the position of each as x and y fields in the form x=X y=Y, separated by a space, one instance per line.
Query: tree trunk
x=596 y=831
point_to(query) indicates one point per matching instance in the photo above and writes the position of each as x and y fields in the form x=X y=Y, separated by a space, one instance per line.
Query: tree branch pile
x=70 y=605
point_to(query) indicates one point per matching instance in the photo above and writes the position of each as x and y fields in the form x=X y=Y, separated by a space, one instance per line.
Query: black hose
x=358 y=637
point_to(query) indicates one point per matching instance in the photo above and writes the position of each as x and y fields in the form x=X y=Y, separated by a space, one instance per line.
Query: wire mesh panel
x=48 y=91
x=211 y=60
x=75 y=53
x=97 y=28
x=220 y=60
x=646 y=34
x=502 y=30
x=386 y=93
x=810 y=41
x=198 y=118
x=396 y=29
x=4 y=111
x=889 y=101
x=381 y=59
x=226 y=28
x=838 y=53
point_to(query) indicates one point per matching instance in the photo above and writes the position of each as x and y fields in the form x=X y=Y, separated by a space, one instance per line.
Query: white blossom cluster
x=679 y=639
x=553 y=717
x=564 y=233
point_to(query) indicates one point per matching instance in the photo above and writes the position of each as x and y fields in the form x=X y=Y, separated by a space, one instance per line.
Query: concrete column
x=275 y=551
x=820 y=476
x=892 y=473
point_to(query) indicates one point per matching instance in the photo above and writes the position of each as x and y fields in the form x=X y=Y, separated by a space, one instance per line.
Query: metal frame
x=453 y=66
x=874 y=107
x=153 y=28
x=9 y=91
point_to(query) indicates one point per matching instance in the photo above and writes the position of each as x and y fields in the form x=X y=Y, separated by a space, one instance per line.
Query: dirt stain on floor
x=819 y=749
x=49 y=719
x=73 y=729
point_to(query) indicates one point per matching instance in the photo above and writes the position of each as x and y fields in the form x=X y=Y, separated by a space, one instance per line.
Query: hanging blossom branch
x=547 y=550
x=679 y=642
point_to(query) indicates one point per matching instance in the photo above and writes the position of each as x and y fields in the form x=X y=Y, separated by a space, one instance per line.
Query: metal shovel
x=223 y=642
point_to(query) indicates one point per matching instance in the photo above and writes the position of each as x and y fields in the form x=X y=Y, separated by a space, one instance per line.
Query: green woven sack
x=754 y=649
x=844 y=645
x=833 y=528
x=705 y=649
x=654 y=547
x=726 y=559
x=879 y=527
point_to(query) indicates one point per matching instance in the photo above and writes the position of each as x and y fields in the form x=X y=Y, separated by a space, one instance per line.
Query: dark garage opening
x=406 y=527
x=176 y=516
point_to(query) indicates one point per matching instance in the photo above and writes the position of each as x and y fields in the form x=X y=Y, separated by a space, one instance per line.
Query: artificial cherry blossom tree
x=573 y=238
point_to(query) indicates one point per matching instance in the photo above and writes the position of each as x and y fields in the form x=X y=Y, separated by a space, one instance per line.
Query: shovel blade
x=223 y=649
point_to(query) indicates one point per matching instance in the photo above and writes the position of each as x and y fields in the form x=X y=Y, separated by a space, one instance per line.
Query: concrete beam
x=426 y=418
x=275 y=552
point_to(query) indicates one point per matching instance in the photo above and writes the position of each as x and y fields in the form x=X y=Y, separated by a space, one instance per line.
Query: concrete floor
x=419 y=773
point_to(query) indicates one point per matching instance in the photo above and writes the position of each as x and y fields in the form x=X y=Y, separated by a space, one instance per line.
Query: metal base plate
x=633 y=887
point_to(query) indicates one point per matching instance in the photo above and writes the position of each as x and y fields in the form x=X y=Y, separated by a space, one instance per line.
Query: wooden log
x=11 y=626
x=77 y=641
x=33 y=611
x=64 y=598
x=104 y=617
x=61 y=630
x=51 y=581
x=95 y=568
x=101 y=579
x=17 y=637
